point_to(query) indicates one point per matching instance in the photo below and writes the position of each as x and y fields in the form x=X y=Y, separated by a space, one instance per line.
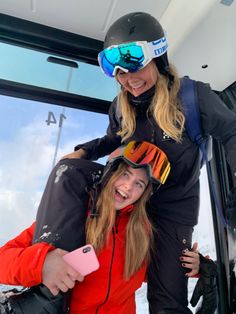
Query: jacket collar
x=143 y=100
x=126 y=209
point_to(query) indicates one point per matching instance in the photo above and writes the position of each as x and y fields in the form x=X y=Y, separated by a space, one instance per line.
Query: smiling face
x=129 y=187
x=138 y=82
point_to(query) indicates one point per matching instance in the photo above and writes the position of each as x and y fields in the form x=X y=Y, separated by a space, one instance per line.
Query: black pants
x=63 y=209
x=167 y=283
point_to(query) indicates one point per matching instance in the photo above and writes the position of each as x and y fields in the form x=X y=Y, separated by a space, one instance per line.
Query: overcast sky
x=27 y=146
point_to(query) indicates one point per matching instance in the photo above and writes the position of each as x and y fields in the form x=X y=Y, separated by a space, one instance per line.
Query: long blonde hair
x=165 y=108
x=139 y=231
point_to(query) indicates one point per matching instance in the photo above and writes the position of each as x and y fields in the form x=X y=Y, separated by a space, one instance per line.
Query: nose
x=128 y=185
x=125 y=79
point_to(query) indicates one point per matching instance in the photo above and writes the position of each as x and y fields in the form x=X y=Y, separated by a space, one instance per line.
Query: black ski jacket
x=178 y=199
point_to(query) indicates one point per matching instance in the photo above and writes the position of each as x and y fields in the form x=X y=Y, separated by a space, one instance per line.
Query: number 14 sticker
x=52 y=119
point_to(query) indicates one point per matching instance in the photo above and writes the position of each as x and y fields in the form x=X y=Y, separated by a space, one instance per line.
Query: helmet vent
x=132 y=29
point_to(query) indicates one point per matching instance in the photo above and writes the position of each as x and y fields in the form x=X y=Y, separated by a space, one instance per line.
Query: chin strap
x=93 y=196
x=95 y=190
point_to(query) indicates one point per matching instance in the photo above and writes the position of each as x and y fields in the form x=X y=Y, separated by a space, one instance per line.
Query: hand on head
x=57 y=275
x=77 y=154
x=191 y=260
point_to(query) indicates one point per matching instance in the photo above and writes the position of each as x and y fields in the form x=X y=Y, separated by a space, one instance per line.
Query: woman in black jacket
x=148 y=108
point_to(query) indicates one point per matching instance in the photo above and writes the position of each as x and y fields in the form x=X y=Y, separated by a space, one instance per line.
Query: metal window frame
x=23 y=33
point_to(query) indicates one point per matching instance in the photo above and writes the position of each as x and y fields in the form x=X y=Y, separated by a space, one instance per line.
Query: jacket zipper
x=114 y=230
x=153 y=128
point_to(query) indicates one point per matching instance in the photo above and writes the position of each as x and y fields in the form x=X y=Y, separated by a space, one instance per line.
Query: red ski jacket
x=103 y=291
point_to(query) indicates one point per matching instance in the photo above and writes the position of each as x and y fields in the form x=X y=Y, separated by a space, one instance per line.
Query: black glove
x=206 y=287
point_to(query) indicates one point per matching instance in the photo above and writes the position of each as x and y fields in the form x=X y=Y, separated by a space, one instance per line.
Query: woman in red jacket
x=120 y=232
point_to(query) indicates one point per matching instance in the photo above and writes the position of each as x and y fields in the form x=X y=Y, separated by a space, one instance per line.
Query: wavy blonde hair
x=139 y=231
x=165 y=108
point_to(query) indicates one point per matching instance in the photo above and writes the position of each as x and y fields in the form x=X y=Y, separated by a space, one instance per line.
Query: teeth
x=136 y=85
x=124 y=195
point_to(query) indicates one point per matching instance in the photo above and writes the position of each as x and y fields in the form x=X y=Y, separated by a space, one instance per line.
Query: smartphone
x=83 y=259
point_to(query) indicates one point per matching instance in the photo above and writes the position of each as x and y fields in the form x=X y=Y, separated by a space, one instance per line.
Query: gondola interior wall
x=46 y=106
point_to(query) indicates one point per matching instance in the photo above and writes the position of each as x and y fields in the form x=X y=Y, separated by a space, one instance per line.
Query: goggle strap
x=158 y=47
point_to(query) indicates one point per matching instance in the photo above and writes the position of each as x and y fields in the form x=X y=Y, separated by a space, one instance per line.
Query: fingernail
x=181 y=258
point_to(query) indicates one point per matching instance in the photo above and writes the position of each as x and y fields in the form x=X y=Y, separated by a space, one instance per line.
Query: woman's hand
x=81 y=153
x=57 y=274
x=191 y=260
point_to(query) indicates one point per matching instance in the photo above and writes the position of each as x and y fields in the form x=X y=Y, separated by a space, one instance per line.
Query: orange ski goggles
x=144 y=155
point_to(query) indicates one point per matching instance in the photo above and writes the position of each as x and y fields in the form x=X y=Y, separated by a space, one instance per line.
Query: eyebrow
x=142 y=181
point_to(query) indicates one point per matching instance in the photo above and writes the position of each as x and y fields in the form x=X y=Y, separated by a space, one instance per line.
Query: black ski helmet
x=137 y=26
x=136 y=154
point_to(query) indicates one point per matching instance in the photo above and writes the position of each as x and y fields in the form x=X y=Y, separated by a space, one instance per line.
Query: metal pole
x=60 y=121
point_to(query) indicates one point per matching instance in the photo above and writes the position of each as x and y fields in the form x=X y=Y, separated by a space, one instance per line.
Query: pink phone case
x=83 y=259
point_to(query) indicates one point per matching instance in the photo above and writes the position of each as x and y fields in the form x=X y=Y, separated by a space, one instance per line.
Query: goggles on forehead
x=144 y=155
x=130 y=57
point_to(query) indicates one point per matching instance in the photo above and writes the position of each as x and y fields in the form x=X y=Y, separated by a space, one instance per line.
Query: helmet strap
x=162 y=65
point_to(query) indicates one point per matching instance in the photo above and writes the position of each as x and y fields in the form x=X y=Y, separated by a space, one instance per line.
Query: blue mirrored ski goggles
x=130 y=57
